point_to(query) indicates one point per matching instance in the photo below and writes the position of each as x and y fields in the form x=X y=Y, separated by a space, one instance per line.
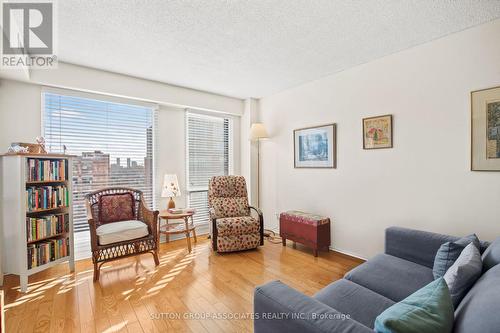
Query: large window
x=209 y=153
x=113 y=143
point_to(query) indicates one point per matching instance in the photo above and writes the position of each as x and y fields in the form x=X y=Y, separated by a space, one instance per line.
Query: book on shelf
x=47 y=251
x=46 y=170
x=181 y=210
x=46 y=197
x=46 y=226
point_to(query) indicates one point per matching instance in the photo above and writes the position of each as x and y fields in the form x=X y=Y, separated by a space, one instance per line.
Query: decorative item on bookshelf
x=28 y=148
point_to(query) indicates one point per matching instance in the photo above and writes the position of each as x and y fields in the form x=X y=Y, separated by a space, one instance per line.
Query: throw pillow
x=448 y=253
x=429 y=310
x=463 y=273
x=491 y=257
x=464 y=241
x=116 y=207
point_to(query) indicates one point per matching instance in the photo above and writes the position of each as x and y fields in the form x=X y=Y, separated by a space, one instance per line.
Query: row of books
x=46 y=197
x=46 y=170
x=47 y=251
x=43 y=227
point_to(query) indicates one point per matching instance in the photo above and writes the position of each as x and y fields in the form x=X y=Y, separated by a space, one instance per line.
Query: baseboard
x=350 y=254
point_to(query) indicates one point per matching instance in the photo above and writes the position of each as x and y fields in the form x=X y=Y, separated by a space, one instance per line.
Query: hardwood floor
x=135 y=296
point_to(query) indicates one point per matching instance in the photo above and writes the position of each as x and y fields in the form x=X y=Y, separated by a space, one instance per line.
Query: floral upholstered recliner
x=233 y=229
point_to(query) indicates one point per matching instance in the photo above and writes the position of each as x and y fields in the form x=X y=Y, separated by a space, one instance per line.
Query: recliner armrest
x=257 y=210
x=414 y=245
x=279 y=308
x=261 y=221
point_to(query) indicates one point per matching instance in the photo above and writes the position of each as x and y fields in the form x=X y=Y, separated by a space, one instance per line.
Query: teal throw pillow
x=428 y=310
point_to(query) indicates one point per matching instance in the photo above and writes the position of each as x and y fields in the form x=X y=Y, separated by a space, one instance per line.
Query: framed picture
x=315 y=147
x=377 y=132
x=485 y=130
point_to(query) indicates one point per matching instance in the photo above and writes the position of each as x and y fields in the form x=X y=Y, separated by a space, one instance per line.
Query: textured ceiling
x=252 y=48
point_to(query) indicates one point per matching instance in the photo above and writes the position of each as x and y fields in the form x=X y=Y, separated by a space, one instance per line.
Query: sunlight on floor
x=69 y=282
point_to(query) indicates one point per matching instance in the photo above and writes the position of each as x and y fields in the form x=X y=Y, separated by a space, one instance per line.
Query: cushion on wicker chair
x=116 y=232
x=116 y=207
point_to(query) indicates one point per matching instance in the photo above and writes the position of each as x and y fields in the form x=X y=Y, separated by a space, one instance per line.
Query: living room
x=278 y=166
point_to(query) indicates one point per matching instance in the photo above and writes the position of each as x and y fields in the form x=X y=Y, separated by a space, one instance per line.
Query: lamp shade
x=258 y=131
x=170 y=186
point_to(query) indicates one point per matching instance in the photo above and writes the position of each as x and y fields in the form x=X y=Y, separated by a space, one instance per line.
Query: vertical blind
x=209 y=153
x=113 y=143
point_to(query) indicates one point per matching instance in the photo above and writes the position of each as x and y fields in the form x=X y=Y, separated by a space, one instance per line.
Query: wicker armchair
x=233 y=229
x=120 y=226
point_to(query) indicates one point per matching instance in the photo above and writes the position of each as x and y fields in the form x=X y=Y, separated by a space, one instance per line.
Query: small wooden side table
x=186 y=226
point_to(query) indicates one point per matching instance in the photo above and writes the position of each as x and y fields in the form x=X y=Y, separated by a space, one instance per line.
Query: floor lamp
x=257 y=133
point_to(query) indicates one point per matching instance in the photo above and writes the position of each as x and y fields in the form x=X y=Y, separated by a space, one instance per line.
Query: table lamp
x=170 y=189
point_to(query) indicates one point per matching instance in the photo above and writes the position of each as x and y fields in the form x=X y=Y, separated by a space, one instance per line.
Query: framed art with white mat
x=315 y=147
x=485 y=130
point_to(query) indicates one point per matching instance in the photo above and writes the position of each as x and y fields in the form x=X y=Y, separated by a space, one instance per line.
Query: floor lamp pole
x=258 y=174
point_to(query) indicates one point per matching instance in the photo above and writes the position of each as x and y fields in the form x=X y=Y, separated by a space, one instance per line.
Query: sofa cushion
x=237 y=225
x=392 y=277
x=346 y=297
x=449 y=252
x=428 y=310
x=121 y=231
x=463 y=273
x=116 y=207
x=491 y=257
x=478 y=311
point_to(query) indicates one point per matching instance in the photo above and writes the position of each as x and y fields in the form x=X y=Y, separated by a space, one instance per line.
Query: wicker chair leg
x=96 y=272
x=155 y=256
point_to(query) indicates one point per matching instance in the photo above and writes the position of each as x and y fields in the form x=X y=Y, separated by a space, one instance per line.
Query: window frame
x=111 y=99
x=231 y=162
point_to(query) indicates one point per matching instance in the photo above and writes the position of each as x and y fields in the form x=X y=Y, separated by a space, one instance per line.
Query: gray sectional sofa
x=352 y=304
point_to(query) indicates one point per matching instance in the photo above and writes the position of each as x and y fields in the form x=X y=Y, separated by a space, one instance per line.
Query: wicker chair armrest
x=150 y=217
x=93 y=234
x=92 y=227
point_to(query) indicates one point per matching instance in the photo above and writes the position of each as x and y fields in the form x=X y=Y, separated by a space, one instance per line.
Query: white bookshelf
x=15 y=211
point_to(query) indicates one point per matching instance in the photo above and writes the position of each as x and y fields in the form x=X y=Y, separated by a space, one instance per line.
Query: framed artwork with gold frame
x=377 y=132
x=485 y=129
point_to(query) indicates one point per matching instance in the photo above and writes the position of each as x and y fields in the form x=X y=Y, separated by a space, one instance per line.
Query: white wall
x=20 y=113
x=425 y=181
